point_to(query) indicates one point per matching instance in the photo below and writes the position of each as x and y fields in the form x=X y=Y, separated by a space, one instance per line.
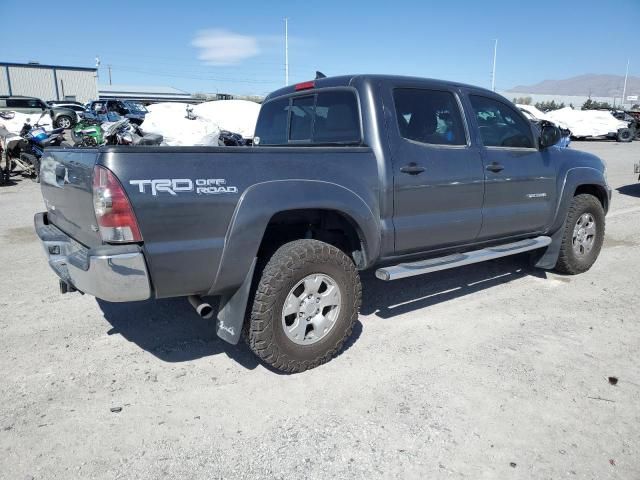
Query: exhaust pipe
x=203 y=309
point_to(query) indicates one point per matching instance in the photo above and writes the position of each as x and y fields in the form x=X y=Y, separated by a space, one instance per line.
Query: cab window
x=429 y=116
x=501 y=125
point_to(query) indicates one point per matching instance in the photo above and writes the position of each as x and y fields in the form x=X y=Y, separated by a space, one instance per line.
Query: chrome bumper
x=112 y=273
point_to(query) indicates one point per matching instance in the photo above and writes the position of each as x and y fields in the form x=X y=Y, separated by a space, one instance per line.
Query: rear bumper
x=112 y=273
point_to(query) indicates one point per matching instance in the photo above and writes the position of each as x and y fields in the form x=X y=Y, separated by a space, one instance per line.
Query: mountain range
x=590 y=84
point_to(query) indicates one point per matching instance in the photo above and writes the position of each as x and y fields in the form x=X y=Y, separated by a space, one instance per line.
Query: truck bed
x=186 y=224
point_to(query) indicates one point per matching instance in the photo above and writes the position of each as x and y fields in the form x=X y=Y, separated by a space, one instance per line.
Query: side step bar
x=404 y=270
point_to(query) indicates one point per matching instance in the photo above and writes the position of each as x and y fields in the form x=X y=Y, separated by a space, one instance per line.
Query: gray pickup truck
x=403 y=175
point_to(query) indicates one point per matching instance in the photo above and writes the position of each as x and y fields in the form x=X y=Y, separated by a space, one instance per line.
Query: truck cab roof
x=350 y=80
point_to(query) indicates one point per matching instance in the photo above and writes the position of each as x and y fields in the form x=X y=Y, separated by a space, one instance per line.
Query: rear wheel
x=583 y=235
x=306 y=303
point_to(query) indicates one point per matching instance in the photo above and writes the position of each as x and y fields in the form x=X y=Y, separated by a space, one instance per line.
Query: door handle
x=495 y=167
x=412 y=169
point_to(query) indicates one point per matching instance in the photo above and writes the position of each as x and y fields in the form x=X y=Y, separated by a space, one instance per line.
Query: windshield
x=135 y=106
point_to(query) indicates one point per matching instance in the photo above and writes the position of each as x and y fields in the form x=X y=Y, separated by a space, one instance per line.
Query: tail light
x=304 y=85
x=116 y=220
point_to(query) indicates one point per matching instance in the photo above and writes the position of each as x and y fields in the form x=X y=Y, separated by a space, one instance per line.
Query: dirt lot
x=490 y=371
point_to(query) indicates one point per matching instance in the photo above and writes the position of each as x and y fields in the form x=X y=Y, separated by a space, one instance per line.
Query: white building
x=576 y=100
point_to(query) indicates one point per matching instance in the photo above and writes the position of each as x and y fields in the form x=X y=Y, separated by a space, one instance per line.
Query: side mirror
x=549 y=134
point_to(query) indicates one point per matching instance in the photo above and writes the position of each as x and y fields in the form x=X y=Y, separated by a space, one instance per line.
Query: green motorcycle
x=88 y=131
x=86 y=134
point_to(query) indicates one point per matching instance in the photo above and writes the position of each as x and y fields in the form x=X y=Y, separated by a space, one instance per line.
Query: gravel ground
x=490 y=371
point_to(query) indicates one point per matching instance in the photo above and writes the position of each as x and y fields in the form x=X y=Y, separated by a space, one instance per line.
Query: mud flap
x=232 y=310
x=550 y=256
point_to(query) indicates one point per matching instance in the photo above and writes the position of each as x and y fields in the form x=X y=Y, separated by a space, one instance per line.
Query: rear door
x=519 y=178
x=438 y=174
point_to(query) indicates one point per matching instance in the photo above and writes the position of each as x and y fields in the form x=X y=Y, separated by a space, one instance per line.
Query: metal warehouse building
x=49 y=82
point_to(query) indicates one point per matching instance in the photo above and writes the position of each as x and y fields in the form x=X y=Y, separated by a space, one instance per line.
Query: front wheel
x=583 y=235
x=64 y=121
x=306 y=303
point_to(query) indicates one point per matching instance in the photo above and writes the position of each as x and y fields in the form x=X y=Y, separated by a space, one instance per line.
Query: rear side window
x=429 y=116
x=323 y=118
x=500 y=125
x=301 y=118
x=337 y=118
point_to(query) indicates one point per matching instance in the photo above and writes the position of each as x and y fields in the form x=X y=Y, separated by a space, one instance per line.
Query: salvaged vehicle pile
x=224 y=123
x=402 y=175
x=24 y=150
x=538 y=119
x=183 y=125
x=597 y=124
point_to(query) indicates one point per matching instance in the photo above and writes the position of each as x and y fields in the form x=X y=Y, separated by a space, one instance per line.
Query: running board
x=404 y=270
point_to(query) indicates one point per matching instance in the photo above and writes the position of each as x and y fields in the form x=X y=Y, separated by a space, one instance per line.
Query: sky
x=209 y=47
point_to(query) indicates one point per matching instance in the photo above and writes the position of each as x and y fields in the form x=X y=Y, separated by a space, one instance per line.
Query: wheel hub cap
x=311 y=309
x=584 y=234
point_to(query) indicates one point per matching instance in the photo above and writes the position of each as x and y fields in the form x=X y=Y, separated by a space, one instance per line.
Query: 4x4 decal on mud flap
x=173 y=186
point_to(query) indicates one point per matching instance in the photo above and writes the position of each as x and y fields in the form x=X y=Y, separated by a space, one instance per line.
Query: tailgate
x=66 y=181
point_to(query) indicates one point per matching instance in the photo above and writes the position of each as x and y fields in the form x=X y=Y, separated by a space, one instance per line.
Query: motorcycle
x=120 y=132
x=26 y=149
x=88 y=131
x=4 y=170
x=124 y=132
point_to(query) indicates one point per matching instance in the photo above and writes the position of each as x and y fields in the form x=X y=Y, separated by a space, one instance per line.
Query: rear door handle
x=495 y=167
x=412 y=169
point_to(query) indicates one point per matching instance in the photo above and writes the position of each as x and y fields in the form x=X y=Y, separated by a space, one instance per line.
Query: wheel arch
x=577 y=181
x=266 y=205
x=596 y=190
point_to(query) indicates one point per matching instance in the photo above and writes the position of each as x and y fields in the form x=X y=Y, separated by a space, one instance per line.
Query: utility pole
x=624 y=89
x=493 y=70
x=109 y=66
x=97 y=75
x=286 y=51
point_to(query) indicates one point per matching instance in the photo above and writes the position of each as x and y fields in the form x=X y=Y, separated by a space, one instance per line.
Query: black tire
x=569 y=261
x=624 y=135
x=290 y=264
x=64 y=121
